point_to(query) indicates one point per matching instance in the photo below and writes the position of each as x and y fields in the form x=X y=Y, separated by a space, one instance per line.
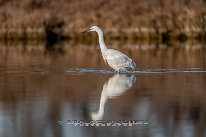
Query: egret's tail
x=133 y=65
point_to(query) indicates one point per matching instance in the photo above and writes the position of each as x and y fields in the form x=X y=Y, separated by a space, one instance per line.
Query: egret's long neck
x=101 y=41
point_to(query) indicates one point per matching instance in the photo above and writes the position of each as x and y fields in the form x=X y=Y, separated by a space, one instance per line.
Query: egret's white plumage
x=115 y=59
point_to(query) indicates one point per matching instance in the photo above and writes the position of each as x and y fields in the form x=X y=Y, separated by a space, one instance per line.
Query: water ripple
x=144 y=71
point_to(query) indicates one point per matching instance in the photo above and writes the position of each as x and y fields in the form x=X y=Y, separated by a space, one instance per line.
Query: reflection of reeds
x=16 y=63
x=177 y=56
x=36 y=91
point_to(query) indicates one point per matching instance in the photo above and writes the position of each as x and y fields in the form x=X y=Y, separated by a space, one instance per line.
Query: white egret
x=115 y=59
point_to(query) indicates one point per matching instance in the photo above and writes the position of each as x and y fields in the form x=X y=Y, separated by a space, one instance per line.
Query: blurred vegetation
x=59 y=19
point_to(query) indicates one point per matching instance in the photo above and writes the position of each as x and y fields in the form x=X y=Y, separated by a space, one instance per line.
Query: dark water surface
x=43 y=90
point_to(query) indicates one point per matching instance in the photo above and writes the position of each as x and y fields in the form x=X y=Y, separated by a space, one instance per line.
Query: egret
x=114 y=58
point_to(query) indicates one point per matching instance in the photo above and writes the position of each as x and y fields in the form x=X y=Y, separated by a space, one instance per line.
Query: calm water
x=42 y=90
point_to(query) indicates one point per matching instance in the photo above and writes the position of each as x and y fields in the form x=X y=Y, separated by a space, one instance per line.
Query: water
x=43 y=90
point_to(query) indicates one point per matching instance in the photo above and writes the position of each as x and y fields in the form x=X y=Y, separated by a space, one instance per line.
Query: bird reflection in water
x=114 y=87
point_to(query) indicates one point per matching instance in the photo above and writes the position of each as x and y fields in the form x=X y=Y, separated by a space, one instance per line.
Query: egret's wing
x=118 y=59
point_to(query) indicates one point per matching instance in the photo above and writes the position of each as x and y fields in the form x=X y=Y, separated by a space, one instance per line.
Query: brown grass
x=118 y=14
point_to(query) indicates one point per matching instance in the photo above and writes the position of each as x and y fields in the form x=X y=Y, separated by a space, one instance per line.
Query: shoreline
x=132 y=34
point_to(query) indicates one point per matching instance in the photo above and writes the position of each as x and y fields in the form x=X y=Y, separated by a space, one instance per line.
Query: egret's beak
x=86 y=31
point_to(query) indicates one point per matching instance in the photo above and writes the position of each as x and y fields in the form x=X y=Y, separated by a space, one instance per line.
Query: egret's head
x=93 y=28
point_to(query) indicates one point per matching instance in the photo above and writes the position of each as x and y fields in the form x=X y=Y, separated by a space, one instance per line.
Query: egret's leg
x=117 y=71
